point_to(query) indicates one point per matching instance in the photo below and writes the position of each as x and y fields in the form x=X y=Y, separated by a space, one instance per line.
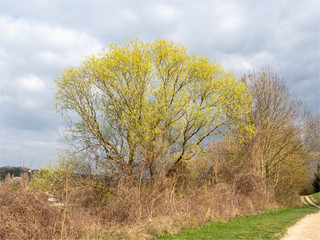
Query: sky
x=39 y=38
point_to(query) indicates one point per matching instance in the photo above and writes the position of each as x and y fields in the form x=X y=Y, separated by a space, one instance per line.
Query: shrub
x=26 y=214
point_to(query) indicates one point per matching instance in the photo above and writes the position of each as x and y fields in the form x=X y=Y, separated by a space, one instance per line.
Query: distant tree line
x=13 y=171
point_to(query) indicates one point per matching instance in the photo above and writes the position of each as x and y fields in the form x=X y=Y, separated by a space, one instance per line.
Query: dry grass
x=29 y=215
x=135 y=209
x=165 y=207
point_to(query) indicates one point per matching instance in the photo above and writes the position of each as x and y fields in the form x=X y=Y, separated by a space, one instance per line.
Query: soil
x=308 y=228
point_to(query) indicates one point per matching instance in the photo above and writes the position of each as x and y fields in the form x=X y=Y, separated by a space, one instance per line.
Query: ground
x=307 y=228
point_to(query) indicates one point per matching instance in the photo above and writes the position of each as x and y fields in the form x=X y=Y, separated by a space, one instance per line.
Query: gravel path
x=308 y=228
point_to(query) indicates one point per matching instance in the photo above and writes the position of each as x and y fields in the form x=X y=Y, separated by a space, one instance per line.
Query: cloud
x=32 y=55
x=164 y=13
x=32 y=83
x=40 y=38
x=27 y=148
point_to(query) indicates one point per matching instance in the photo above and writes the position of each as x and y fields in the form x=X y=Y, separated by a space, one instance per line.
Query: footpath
x=308 y=228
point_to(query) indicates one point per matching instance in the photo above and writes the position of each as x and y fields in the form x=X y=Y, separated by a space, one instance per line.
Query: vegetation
x=162 y=140
x=141 y=106
x=13 y=171
x=283 y=148
x=26 y=214
x=87 y=209
x=315 y=198
x=272 y=225
x=316 y=179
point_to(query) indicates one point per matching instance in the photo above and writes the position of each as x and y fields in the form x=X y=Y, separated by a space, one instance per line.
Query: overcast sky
x=40 y=38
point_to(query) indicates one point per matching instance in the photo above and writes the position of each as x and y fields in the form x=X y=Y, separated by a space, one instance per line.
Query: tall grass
x=26 y=214
x=129 y=208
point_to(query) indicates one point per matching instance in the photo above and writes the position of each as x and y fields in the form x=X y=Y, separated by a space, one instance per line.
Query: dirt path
x=308 y=228
x=310 y=202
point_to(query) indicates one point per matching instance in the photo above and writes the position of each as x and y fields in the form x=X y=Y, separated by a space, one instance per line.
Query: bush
x=131 y=207
x=26 y=214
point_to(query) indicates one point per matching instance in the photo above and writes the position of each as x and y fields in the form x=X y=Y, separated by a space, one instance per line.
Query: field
x=270 y=225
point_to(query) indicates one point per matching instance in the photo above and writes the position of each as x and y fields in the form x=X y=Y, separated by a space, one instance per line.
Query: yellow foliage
x=142 y=102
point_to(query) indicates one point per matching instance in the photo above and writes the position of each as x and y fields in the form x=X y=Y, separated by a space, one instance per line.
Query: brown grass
x=165 y=207
x=134 y=209
x=29 y=215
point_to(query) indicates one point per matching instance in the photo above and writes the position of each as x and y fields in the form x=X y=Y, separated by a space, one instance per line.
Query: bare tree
x=281 y=149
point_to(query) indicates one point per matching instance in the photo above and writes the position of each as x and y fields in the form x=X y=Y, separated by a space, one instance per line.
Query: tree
x=149 y=104
x=316 y=180
x=313 y=135
x=282 y=149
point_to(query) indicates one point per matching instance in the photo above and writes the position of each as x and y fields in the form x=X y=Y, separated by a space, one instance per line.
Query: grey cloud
x=27 y=148
x=43 y=37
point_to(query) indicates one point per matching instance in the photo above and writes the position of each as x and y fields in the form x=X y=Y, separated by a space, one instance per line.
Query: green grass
x=315 y=198
x=272 y=225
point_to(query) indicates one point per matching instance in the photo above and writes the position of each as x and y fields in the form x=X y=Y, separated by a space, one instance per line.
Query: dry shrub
x=89 y=195
x=220 y=173
x=228 y=200
x=29 y=215
x=134 y=200
x=135 y=209
x=141 y=210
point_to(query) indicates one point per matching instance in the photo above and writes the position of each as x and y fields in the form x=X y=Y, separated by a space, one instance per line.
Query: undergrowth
x=128 y=208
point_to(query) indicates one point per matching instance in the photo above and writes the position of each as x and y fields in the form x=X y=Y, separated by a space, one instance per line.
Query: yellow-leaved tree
x=149 y=105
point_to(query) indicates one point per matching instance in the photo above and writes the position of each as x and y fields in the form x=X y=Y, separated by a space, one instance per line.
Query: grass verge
x=272 y=225
x=315 y=198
